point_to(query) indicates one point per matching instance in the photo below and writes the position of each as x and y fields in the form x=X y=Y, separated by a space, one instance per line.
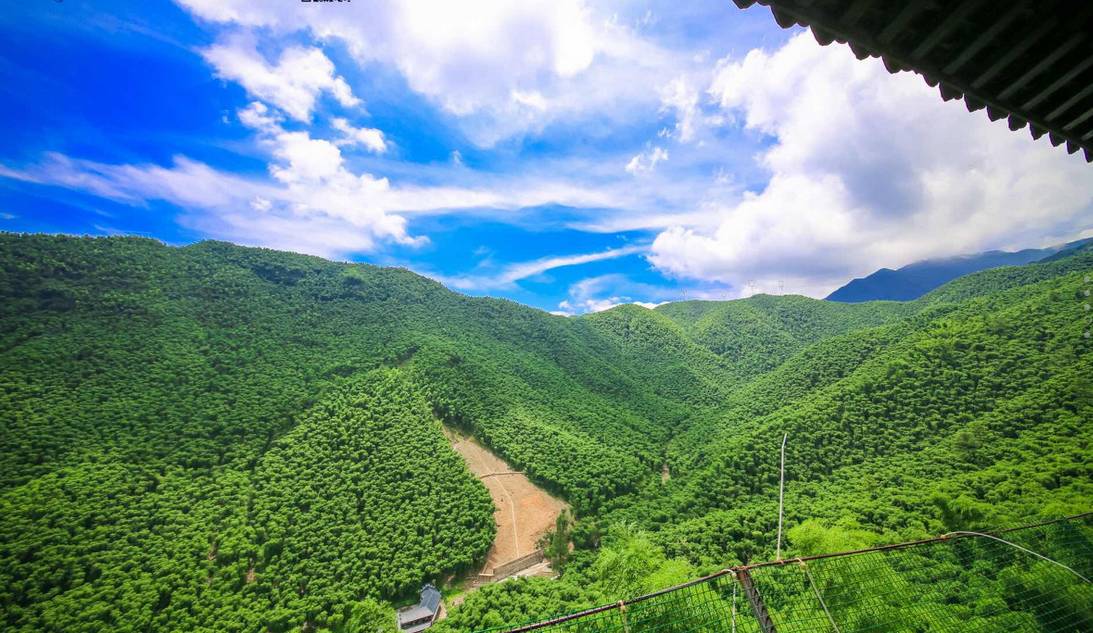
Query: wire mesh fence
x=1031 y=578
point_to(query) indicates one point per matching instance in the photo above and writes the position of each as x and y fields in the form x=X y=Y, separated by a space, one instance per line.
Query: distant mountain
x=914 y=280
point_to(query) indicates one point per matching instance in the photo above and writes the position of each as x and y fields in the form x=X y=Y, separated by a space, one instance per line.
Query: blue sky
x=570 y=155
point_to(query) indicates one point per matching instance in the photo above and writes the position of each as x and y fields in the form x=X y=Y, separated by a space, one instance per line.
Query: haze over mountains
x=218 y=438
x=914 y=280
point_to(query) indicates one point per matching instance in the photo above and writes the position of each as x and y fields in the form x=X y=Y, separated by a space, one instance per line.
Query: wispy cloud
x=312 y=202
x=646 y=161
x=603 y=292
x=514 y=272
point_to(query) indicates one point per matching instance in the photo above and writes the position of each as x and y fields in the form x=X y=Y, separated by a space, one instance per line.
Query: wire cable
x=1023 y=549
x=816 y=591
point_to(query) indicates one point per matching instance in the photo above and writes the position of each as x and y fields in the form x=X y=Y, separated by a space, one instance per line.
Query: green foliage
x=811 y=537
x=341 y=508
x=758 y=334
x=631 y=565
x=979 y=405
x=556 y=542
x=369 y=616
x=221 y=438
x=517 y=601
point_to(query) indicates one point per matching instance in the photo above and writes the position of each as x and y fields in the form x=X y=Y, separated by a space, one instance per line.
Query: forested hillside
x=214 y=437
x=230 y=439
x=970 y=411
x=759 y=334
x=983 y=405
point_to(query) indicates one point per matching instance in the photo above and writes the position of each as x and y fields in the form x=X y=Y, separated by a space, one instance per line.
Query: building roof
x=1030 y=63
x=416 y=612
x=416 y=628
x=426 y=607
x=430 y=598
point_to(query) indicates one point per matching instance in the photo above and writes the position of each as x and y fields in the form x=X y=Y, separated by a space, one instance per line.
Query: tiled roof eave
x=1058 y=75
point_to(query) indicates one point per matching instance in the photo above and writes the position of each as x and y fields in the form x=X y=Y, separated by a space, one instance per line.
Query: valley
x=288 y=413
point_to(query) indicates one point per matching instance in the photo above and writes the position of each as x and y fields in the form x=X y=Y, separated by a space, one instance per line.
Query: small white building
x=421 y=615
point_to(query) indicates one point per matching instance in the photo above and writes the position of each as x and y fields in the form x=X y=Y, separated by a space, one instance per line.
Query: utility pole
x=781 y=496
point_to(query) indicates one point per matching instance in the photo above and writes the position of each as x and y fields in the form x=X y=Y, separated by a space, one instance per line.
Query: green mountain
x=222 y=438
x=759 y=334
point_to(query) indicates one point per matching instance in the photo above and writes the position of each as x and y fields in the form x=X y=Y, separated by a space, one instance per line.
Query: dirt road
x=523 y=511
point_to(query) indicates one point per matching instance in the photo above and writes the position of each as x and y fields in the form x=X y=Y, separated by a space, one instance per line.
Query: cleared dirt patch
x=523 y=511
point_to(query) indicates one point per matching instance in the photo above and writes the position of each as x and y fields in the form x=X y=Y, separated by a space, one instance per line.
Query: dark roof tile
x=1031 y=63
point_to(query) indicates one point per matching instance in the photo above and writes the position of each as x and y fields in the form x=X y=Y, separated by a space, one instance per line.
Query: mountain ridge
x=918 y=278
x=229 y=438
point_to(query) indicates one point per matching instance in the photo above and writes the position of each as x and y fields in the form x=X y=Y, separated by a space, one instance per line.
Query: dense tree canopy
x=222 y=438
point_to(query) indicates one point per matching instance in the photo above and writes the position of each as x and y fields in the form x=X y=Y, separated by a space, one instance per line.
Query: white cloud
x=567 y=307
x=532 y=99
x=530 y=269
x=305 y=159
x=463 y=55
x=868 y=169
x=186 y=182
x=312 y=202
x=309 y=210
x=514 y=272
x=371 y=138
x=681 y=97
x=603 y=292
x=503 y=68
x=258 y=116
x=292 y=84
x=645 y=161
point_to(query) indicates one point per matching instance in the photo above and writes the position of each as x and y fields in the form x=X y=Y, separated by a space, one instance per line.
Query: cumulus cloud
x=868 y=169
x=317 y=184
x=503 y=68
x=292 y=84
x=305 y=159
x=246 y=210
x=369 y=138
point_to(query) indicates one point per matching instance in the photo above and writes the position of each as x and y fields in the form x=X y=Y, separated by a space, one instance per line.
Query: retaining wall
x=507 y=569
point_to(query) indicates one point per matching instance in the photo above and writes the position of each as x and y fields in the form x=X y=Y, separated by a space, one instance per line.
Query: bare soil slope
x=523 y=511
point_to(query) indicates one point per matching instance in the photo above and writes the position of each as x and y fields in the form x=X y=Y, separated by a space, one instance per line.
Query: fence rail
x=1028 y=578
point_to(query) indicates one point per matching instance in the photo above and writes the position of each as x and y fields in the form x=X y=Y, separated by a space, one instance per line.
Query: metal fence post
x=766 y=625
